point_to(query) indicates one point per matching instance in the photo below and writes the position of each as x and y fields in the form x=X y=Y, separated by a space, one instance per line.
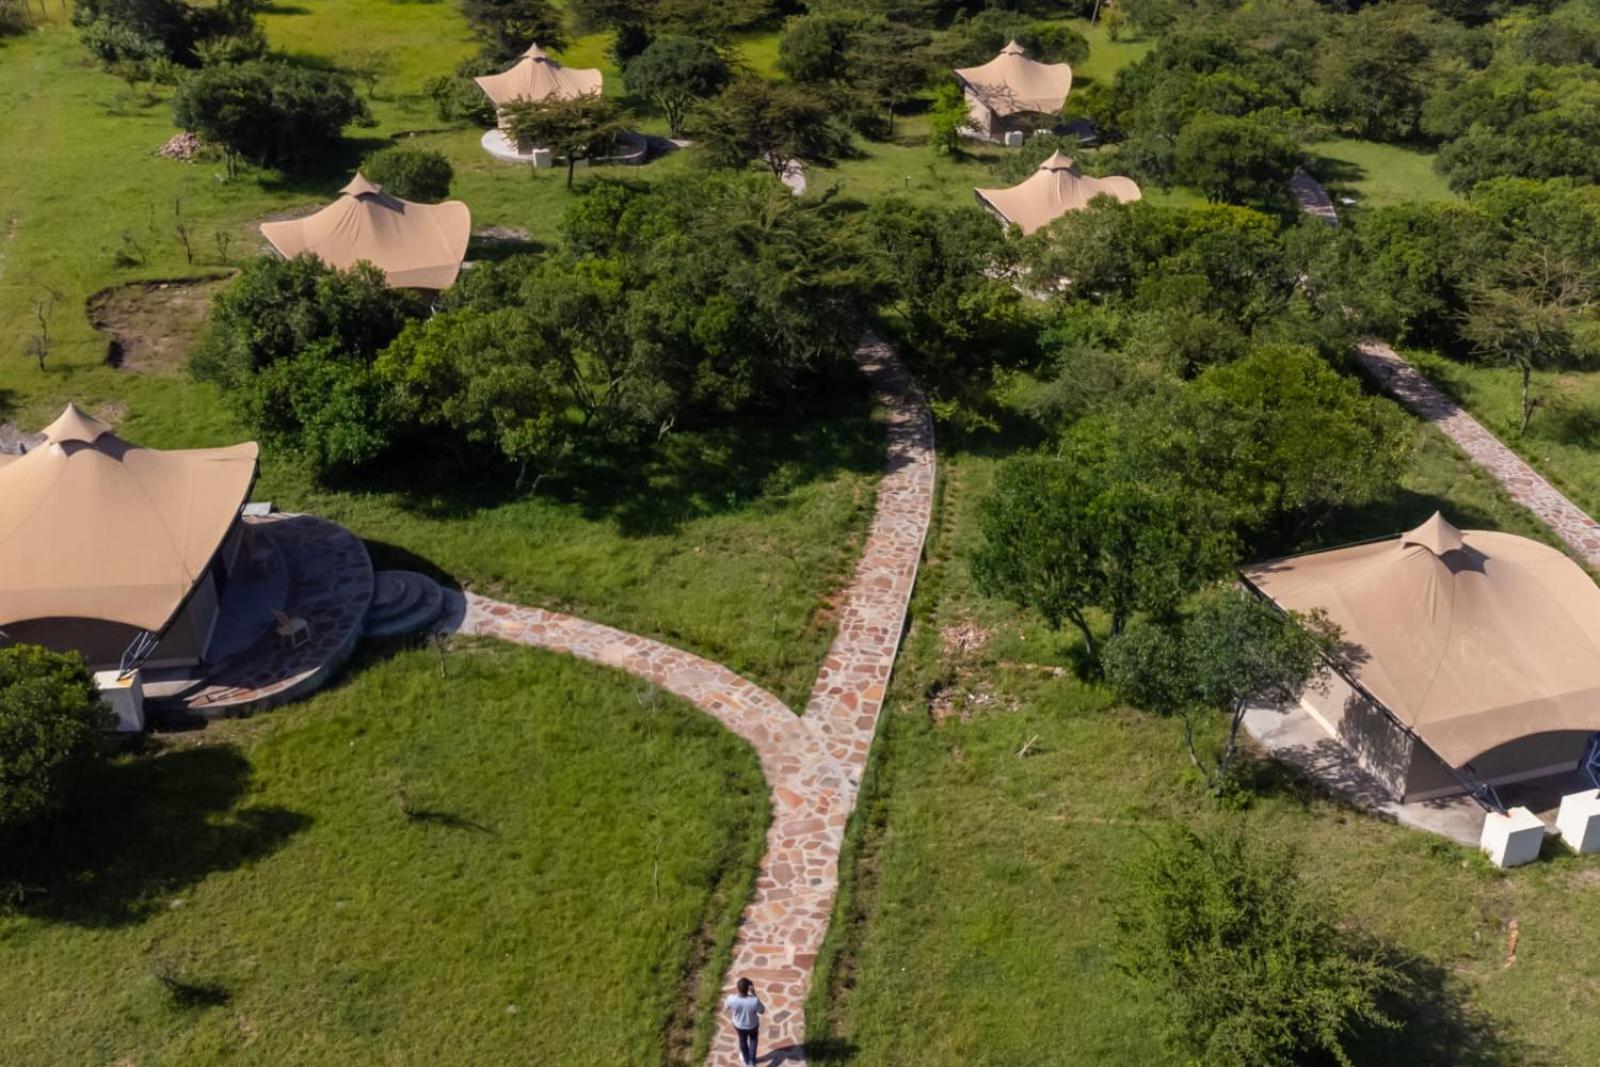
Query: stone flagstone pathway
x=813 y=765
x=1526 y=486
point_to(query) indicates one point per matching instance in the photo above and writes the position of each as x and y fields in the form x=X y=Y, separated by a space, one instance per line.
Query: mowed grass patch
x=977 y=916
x=1374 y=174
x=1563 y=438
x=500 y=856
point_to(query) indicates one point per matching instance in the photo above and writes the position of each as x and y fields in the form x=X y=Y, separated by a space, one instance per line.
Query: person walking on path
x=746 y=1009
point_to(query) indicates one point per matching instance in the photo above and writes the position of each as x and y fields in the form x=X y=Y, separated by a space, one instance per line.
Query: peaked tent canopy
x=1056 y=188
x=538 y=77
x=417 y=246
x=1011 y=83
x=1471 y=639
x=92 y=527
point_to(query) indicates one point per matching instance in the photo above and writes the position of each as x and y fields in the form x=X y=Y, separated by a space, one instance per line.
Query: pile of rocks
x=184 y=146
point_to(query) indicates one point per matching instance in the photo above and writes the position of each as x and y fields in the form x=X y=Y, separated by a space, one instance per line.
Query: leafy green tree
x=889 y=65
x=1518 y=121
x=419 y=174
x=270 y=112
x=1089 y=529
x=774 y=123
x=1372 y=76
x=947 y=117
x=507 y=27
x=1535 y=309
x=1219 y=929
x=576 y=128
x=291 y=343
x=488 y=380
x=1285 y=439
x=675 y=72
x=816 y=48
x=50 y=715
x=1411 y=264
x=1235 y=160
x=1231 y=653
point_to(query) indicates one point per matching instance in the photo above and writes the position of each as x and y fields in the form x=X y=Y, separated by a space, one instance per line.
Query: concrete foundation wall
x=1380 y=746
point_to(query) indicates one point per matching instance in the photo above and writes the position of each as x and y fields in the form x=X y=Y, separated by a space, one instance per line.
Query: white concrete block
x=126 y=697
x=1014 y=138
x=1512 y=839
x=1578 y=821
x=543 y=158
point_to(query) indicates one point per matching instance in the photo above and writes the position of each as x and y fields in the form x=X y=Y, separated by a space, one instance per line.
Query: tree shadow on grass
x=141 y=830
x=1440 y=1026
x=1569 y=425
x=1331 y=171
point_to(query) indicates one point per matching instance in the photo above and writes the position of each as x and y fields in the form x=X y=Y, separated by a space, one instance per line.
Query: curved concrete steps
x=403 y=602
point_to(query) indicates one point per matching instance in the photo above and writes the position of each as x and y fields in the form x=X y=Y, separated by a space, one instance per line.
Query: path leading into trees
x=813 y=764
x=1526 y=485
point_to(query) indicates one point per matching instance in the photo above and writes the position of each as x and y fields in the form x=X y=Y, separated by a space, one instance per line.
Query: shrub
x=411 y=173
x=49 y=716
x=458 y=99
x=1240 y=955
x=946 y=118
x=270 y=112
x=292 y=345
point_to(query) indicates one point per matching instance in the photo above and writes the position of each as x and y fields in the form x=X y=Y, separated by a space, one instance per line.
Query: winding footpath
x=1524 y=484
x=813 y=764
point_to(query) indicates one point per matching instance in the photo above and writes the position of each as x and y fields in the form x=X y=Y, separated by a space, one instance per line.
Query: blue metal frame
x=1481 y=791
x=1590 y=763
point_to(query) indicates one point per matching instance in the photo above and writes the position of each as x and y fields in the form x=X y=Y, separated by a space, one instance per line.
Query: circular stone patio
x=636 y=149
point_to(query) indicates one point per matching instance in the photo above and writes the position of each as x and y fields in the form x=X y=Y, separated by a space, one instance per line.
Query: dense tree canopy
x=270 y=112
x=417 y=174
x=675 y=72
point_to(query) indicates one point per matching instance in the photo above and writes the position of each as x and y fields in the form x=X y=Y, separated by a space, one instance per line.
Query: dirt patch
x=966 y=637
x=152 y=326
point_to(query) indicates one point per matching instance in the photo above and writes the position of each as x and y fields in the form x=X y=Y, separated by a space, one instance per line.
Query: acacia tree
x=1241 y=955
x=508 y=27
x=675 y=72
x=758 y=120
x=1087 y=530
x=1235 y=160
x=1234 y=651
x=577 y=128
x=1537 y=309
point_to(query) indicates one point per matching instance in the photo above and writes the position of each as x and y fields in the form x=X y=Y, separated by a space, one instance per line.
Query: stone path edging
x=813 y=765
x=1312 y=198
x=1525 y=485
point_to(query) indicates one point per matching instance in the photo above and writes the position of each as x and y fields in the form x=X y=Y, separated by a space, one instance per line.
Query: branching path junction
x=813 y=764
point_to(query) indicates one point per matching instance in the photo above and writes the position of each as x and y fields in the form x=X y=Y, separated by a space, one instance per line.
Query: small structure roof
x=1056 y=188
x=536 y=76
x=92 y=527
x=1469 y=638
x=1011 y=83
x=417 y=246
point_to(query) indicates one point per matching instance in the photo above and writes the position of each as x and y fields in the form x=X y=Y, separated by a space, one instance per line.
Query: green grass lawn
x=1375 y=175
x=1563 y=438
x=526 y=860
x=977 y=909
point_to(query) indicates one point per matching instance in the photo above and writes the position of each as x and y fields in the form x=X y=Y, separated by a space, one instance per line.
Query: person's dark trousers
x=747 y=1043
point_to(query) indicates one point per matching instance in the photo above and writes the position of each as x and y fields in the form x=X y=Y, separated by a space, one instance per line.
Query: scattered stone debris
x=181 y=146
x=965 y=637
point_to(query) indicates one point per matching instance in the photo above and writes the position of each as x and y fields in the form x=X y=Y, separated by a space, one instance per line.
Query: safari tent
x=417 y=246
x=1011 y=86
x=535 y=76
x=1469 y=656
x=1056 y=188
x=104 y=544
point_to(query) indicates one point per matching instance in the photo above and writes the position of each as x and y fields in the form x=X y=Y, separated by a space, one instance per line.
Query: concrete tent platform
x=1293 y=737
x=637 y=149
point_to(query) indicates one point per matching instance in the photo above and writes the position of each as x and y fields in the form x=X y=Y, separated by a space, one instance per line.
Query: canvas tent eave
x=1011 y=83
x=1468 y=649
x=1051 y=191
x=417 y=246
x=535 y=76
x=100 y=529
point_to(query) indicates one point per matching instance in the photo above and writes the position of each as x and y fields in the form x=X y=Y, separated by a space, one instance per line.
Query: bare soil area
x=152 y=326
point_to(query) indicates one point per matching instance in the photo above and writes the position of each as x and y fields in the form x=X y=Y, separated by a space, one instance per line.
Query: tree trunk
x=1231 y=748
x=572 y=165
x=1088 y=637
x=1527 y=402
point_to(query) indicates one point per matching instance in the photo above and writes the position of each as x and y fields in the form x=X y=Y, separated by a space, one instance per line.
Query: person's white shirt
x=746 y=1011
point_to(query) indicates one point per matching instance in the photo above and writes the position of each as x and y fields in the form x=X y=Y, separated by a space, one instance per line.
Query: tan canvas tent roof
x=1056 y=188
x=1470 y=638
x=417 y=246
x=538 y=77
x=1011 y=83
x=92 y=527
